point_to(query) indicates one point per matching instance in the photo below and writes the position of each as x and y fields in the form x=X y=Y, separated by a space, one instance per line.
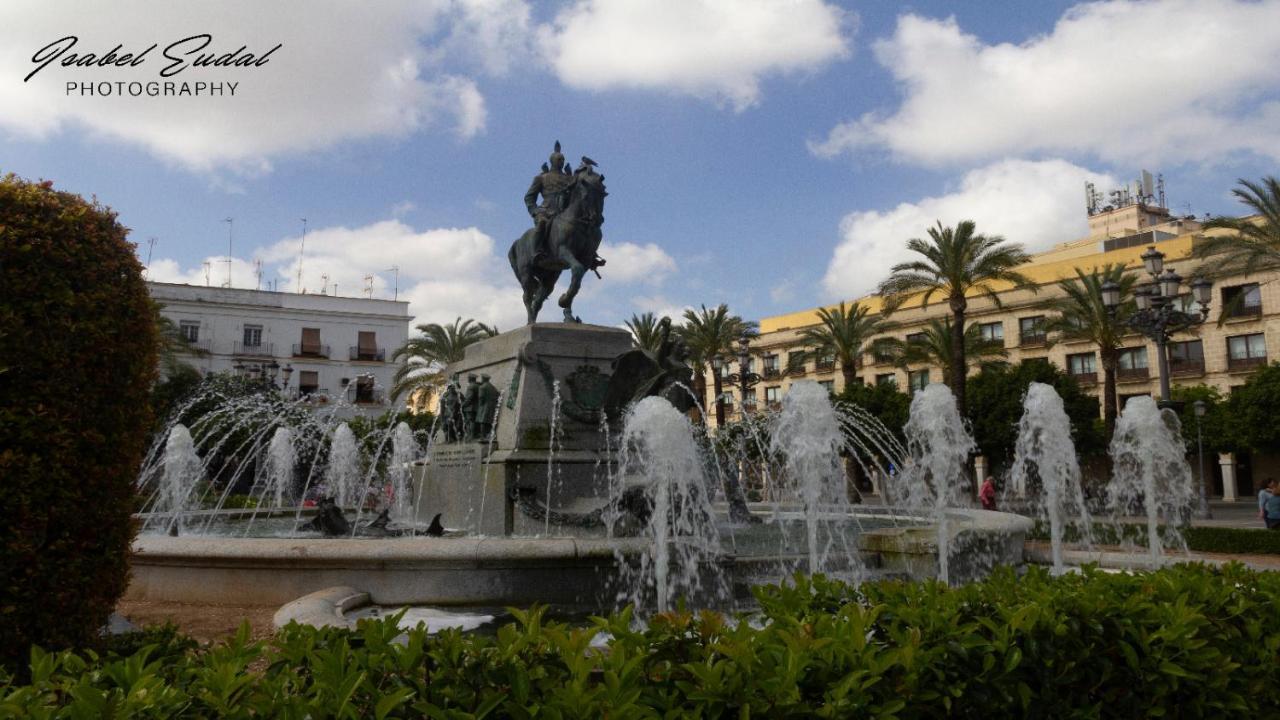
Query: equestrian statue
x=565 y=234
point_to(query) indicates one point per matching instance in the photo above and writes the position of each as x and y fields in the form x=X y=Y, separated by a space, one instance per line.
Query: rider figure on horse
x=553 y=184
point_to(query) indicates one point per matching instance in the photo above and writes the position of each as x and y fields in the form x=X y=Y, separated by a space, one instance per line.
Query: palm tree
x=426 y=356
x=843 y=332
x=1083 y=316
x=956 y=261
x=1255 y=241
x=171 y=345
x=644 y=331
x=932 y=347
x=709 y=334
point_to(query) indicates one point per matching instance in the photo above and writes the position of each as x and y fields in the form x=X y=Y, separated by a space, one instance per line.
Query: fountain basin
x=499 y=571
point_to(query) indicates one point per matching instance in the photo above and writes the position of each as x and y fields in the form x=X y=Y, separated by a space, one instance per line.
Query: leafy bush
x=1243 y=541
x=79 y=348
x=1187 y=641
x=1233 y=540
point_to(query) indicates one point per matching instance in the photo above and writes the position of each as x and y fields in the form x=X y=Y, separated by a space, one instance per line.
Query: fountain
x=1150 y=473
x=1045 y=457
x=565 y=473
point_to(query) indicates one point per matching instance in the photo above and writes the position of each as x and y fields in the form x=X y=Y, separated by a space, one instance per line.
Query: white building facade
x=329 y=349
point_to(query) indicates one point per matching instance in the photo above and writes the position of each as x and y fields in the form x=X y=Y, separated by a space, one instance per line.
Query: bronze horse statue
x=573 y=238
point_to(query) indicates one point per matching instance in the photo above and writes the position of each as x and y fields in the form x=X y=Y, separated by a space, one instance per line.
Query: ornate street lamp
x=744 y=378
x=1157 y=315
x=717 y=363
x=288 y=373
x=1200 y=409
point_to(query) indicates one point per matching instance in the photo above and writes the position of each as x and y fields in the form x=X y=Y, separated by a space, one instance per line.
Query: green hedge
x=79 y=358
x=1187 y=641
x=1241 y=541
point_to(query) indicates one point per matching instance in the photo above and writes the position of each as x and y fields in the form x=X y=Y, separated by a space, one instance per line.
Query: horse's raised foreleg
x=576 y=271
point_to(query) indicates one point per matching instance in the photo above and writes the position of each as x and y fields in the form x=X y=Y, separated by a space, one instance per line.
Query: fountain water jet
x=341 y=475
x=807 y=434
x=404 y=450
x=1045 y=451
x=1149 y=466
x=279 y=466
x=659 y=453
x=182 y=472
x=936 y=476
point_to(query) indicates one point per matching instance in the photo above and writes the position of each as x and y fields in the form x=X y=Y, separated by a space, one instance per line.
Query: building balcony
x=199 y=346
x=368 y=354
x=1085 y=379
x=1185 y=368
x=1234 y=364
x=796 y=370
x=1033 y=339
x=770 y=372
x=259 y=350
x=1246 y=312
x=1132 y=374
x=824 y=367
x=307 y=350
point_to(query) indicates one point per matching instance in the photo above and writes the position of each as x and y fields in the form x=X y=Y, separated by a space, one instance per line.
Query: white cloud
x=661 y=306
x=1032 y=203
x=628 y=263
x=717 y=49
x=1127 y=82
x=344 y=71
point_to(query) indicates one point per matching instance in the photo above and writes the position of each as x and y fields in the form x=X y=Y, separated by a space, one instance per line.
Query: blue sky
x=769 y=155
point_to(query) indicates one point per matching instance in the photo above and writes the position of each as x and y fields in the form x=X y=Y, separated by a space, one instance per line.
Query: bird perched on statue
x=545 y=167
x=587 y=162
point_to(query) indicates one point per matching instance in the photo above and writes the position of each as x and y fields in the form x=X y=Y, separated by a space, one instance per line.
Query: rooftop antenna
x=302 y=249
x=1160 y=189
x=230 y=226
x=368 y=286
x=324 y=284
x=207 y=266
x=396 y=269
x=151 y=245
x=257 y=271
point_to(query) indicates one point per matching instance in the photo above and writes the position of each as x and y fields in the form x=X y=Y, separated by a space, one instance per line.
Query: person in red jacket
x=987 y=495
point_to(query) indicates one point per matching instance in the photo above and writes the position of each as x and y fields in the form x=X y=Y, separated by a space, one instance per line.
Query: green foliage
x=644 y=331
x=995 y=408
x=80 y=352
x=177 y=386
x=424 y=357
x=1252 y=243
x=1218 y=424
x=1186 y=641
x=933 y=348
x=842 y=332
x=1253 y=408
x=1236 y=541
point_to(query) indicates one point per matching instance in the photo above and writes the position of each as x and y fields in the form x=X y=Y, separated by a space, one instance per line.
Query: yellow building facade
x=1222 y=352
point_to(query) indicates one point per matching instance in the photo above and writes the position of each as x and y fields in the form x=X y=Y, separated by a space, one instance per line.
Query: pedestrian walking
x=987 y=495
x=1267 y=491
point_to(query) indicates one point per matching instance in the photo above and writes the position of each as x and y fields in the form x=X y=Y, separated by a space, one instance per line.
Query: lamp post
x=288 y=373
x=1156 y=316
x=744 y=378
x=717 y=383
x=1200 y=409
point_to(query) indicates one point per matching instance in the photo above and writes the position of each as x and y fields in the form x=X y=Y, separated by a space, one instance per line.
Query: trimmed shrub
x=1187 y=641
x=79 y=357
x=1233 y=540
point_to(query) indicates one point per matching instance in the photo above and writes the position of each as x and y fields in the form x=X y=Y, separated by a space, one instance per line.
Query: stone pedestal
x=553 y=378
x=1228 y=463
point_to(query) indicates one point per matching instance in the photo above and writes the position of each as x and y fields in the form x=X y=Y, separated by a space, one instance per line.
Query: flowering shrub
x=79 y=358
